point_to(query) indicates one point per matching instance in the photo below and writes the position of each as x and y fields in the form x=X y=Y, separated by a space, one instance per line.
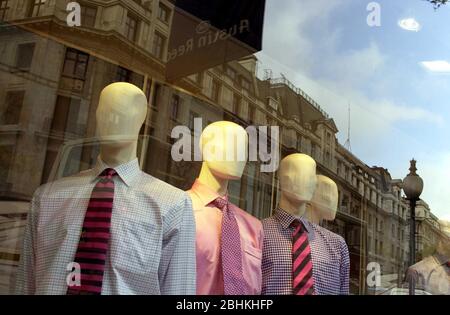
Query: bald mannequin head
x=325 y=199
x=297 y=175
x=121 y=112
x=224 y=149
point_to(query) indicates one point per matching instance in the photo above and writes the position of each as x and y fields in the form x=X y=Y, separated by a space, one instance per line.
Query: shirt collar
x=206 y=194
x=128 y=172
x=286 y=219
x=441 y=259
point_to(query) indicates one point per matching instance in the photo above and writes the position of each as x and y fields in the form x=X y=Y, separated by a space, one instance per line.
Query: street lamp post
x=412 y=186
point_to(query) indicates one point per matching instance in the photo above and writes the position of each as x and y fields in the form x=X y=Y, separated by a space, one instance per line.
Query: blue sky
x=400 y=109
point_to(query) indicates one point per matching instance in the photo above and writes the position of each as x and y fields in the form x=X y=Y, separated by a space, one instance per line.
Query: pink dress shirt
x=208 y=223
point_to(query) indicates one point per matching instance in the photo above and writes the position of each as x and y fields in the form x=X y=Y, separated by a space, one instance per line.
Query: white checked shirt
x=152 y=244
x=329 y=256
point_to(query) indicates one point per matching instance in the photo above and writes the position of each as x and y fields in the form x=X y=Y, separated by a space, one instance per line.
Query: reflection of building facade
x=51 y=76
x=429 y=231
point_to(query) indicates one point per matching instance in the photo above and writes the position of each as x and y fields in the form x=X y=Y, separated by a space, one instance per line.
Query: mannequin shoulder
x=64 y=185
x=160 y=190
x=269 y=222
x=327 y=234
x=247 y=217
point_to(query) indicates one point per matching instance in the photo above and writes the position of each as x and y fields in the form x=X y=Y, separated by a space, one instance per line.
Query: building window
x=245 y=84
x=236 y=104
x=75 y=64
x=123 y=75
x=24 y=56
x=10 y=114
x=163 y=13
x=327 y=157
x=175 y=106
x=215 y=90
x=156 y=95
x=251 y=114
x=328 y=138
x=67 y=117
x=299 y=143
x=313 y=151
x=36 y=7
x=6 y=159
x=159 y=42
x=192 y=116
x=88 y=16
x=231 y=73
x=131 y=28
x=3 y=9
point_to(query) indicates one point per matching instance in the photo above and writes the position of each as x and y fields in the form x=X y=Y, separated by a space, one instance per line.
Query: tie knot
x=220 y=203
x=108 y=173
x=297 y=224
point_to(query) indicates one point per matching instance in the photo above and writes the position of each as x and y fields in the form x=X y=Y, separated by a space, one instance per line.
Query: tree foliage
x=438 y=3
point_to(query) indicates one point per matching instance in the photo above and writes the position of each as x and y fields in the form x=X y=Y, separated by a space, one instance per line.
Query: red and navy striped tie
x=302 y=272
x=93 y=244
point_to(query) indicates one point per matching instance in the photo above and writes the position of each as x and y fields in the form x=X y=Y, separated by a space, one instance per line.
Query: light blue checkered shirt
x=152 y=244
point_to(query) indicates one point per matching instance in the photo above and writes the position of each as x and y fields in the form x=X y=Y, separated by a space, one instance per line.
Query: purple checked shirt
x=329 y=255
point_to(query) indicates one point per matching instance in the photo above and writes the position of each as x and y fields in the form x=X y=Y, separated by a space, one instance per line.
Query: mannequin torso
x=216 y=172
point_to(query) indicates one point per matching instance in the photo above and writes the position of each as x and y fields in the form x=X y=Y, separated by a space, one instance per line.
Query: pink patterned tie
x=93 y=244
x=302 y=272
x=231 y=250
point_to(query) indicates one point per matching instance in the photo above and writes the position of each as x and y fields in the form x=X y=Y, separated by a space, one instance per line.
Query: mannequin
x=118 y=123
x=324 y=203
x=216 y=141
x=300 y=257
x=224 y=151
x=431 y=273
x=111 y=229
x=298 y=180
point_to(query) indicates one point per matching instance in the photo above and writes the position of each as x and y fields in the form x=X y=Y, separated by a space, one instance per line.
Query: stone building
x=51 y=76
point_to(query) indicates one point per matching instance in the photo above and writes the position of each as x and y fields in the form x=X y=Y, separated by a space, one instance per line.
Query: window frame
x=163 y=8
x=18 y=58
x=35 y=4
x=84 y=8
x=4 y=9
x=8 y=97
x=158 y=45
x=131 y=18
x=77 y=61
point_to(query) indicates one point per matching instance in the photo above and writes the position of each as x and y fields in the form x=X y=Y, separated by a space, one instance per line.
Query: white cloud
x=439 y=66
x=342 y=79
x=409 y=24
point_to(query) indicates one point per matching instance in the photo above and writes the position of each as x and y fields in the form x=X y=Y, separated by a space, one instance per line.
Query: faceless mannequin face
x=325 y=199
x=224 y=149
x=120 y=114
x=297 y=175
